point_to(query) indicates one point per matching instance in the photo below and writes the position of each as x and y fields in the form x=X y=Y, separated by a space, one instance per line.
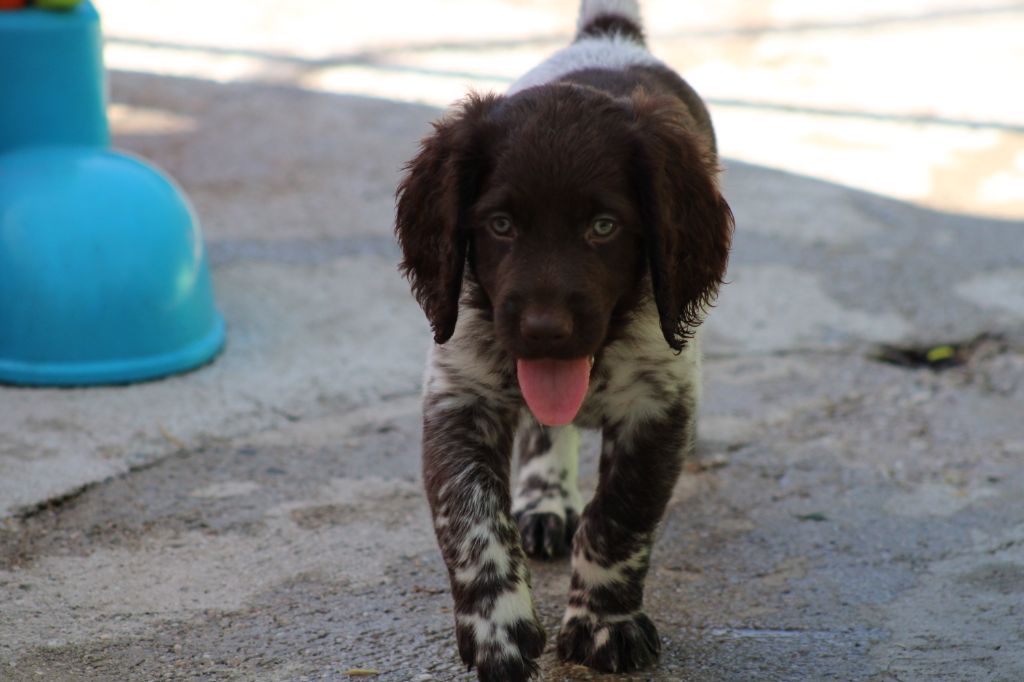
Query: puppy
x=565 y=241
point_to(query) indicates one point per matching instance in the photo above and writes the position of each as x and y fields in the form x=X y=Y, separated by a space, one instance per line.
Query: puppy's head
x=562 y=198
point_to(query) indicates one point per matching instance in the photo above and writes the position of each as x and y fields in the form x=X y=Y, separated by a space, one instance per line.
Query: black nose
x=545 y=326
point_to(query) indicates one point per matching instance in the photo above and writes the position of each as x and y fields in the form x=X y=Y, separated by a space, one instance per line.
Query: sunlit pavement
x=915 y=101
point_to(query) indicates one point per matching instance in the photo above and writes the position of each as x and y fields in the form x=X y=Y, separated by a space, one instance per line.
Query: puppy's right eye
x=501 y=226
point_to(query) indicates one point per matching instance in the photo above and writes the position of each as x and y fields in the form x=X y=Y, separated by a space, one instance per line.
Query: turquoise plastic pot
x=103 y=275
x=103 y=272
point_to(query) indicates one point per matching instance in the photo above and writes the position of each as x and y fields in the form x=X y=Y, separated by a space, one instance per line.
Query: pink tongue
x=554 y=389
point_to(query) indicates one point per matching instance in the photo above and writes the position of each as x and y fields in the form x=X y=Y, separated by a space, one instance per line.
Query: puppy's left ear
x=440 y=186
x=688 y=224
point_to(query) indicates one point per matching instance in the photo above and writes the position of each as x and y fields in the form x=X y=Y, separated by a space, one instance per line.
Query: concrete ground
x=852 y=514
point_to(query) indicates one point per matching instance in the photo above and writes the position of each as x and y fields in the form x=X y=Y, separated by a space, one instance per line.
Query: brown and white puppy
x=565 y=240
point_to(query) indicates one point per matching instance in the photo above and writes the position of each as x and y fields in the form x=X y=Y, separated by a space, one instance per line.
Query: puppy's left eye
x=603 y=227
x=501 y=226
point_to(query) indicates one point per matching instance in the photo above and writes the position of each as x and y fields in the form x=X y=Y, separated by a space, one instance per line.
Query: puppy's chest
x=598 y=405
x=624 y=386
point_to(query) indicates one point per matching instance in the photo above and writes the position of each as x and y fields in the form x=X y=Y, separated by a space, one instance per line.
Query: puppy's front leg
x=547 y=503
x=467 y=441
x=604 y=625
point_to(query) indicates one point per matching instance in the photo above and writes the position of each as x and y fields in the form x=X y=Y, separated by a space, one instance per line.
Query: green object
x=57 y=4
x=940 y=353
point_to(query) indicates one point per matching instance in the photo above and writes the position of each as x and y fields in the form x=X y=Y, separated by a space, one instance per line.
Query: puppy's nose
x=545 y=326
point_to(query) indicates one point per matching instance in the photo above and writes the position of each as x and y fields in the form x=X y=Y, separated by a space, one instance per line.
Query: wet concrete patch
x=942 y=355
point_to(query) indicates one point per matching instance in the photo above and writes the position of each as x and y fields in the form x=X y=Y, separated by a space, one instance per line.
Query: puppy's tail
x=609 y=18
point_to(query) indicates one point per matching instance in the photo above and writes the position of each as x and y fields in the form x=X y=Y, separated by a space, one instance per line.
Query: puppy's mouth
x=554 y=389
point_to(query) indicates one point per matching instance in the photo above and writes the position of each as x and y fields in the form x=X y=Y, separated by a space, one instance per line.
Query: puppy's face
x=561 y=199
x=557 y=241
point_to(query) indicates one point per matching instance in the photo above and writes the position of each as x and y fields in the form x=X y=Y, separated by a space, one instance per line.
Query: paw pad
x=620 y=646
x=545 y=535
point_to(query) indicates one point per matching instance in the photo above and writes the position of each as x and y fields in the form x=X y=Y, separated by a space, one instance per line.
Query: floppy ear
x=687 y=222
x=439 y=187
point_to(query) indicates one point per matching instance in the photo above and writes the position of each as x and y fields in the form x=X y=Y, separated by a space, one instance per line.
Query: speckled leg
x=466 y=453
x=604 y=625
x=547 y=503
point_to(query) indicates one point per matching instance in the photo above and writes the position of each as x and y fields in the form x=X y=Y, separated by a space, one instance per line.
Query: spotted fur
x=547 y=503
x=605 y=119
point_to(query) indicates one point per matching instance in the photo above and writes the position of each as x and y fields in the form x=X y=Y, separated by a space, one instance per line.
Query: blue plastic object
x=103 y=272
x=52 y=84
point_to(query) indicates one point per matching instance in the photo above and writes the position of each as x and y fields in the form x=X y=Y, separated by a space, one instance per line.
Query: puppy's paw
x=501 y=652
x=615 y=644
x=547 y=535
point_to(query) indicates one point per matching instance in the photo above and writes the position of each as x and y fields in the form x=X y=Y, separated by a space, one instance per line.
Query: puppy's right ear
x=440 y=186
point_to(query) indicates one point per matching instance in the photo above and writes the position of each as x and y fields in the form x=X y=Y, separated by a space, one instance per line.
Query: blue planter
x=103 y=273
